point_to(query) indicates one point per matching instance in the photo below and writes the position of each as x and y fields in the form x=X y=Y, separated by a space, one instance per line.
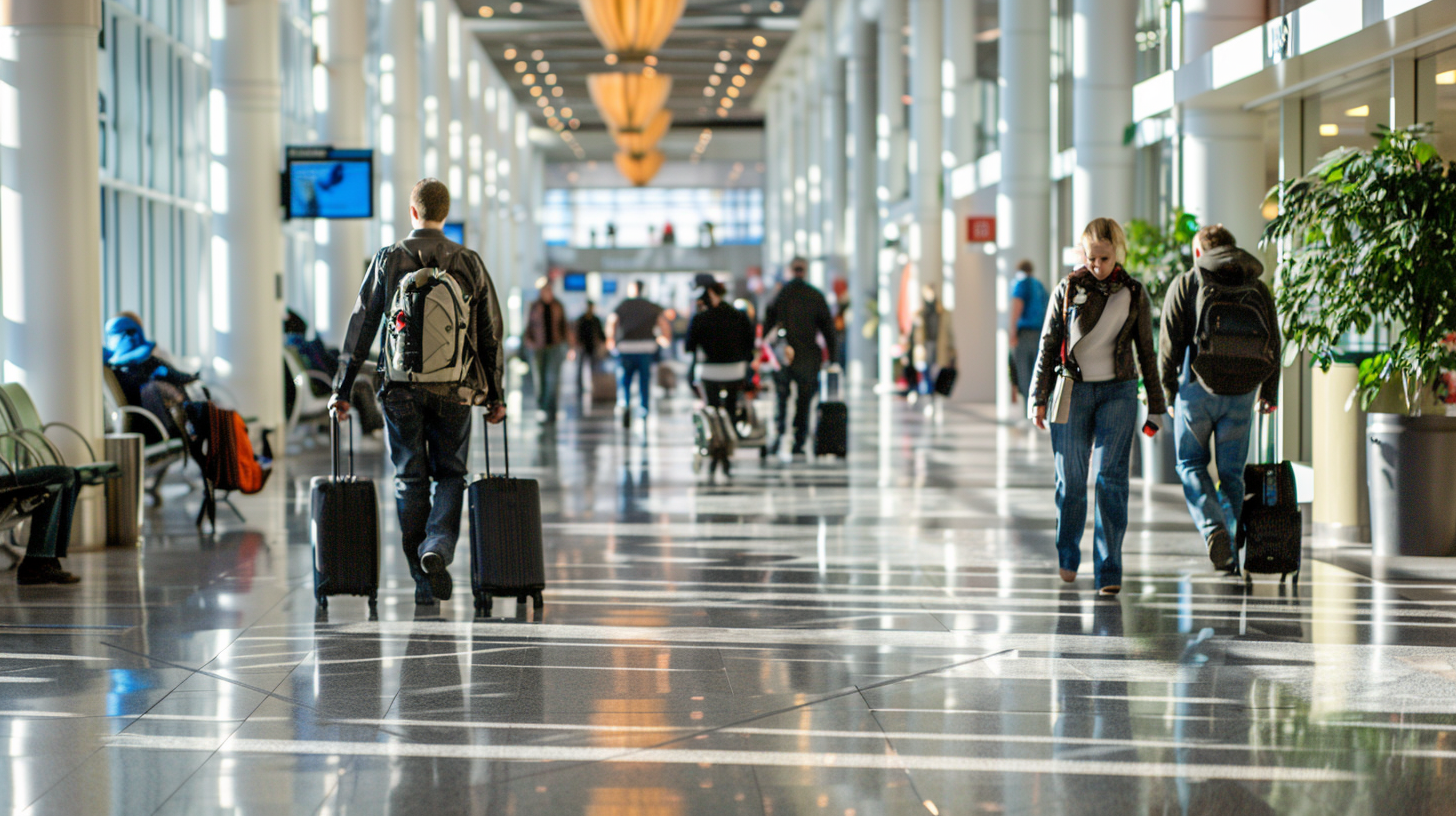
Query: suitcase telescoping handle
x=1268 y=452
x=505 y=440
x=334 y=447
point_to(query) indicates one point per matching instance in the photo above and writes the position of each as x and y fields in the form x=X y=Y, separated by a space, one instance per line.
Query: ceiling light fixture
x=510 y=53
x=566 y=112
x=632 y=29
x=529 y=79
x=557 y=91
x=538 y=54
x=725 y=55
x=521 y=67
x=638 y=144
x=487 y=11
x=628 y=101
x=543 y=66
x=640 y=171
x=1446 y=78
x=733 y=92
x=550 y=79
x=611 y=59
x=727 y=103
x=753 y=54
x=776 y=7
x=516 y=8
x=714 y=79
x=739 y=81
x=760 y=41
x=746 y=69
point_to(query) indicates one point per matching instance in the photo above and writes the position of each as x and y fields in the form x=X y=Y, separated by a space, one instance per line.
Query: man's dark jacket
x=1228 y=266
x=723 y=333
x=389 y=266
x=802 y=312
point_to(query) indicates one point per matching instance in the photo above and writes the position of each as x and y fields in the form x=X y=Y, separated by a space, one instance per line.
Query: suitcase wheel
x=521 y=599
x=373 y=602
x=485 y=606
x=323 y=602
x=540 y=602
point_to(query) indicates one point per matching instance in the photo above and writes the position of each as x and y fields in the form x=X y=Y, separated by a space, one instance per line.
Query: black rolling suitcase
x=1271 y=528
x=344 y=531
x=505 y=535
x=831 y=427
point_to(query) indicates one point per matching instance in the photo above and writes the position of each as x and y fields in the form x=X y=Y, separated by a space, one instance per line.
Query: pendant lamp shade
x=629 y=101
x=641 y=170
x=632 y=29
x=638 y=143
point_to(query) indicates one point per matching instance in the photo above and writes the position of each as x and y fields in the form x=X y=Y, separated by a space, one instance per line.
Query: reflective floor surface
x=883 y=635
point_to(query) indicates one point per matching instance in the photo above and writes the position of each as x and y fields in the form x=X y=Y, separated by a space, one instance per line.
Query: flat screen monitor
x=574 y=282
x=327 y=183
x=455 y=231
x=609 y=286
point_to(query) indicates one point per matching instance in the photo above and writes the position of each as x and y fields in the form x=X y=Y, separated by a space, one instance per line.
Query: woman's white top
x=721 y=372
x=1094 y=352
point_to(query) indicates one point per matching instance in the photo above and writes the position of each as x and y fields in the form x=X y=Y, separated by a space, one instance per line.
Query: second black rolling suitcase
x=505 y=535
x=1271 y=528
x=831 y=428
x=344 y=529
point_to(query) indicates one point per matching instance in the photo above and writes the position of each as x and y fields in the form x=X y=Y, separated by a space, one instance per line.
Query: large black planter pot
x=1411 y=469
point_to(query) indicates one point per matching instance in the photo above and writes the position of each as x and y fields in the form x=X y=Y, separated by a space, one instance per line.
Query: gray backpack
x=427 y=335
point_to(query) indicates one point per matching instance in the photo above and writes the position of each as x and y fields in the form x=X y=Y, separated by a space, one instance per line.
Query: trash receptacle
x=124 y=493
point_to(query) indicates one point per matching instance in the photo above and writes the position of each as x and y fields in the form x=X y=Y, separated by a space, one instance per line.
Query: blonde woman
x=1095 y=343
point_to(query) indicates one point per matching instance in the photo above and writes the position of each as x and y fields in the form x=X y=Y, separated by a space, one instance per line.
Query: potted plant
x=1369 y=238
x=1155 y=256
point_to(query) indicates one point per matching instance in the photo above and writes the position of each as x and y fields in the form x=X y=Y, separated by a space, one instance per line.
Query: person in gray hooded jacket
x=1204 y=408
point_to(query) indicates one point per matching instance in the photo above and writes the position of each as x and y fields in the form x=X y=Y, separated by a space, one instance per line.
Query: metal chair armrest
x=72 y=428
x=45 y=442
x=148 y=415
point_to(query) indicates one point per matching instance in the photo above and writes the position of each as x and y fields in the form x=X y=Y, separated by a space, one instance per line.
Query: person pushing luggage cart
x=441 y=356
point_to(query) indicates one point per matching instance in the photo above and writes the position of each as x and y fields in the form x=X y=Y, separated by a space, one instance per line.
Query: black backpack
x=1233 y=340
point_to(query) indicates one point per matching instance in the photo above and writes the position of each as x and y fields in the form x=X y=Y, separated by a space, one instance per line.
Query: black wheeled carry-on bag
x=831 y=428
x=505 y=535
x=344 y=530
x=1271 y=528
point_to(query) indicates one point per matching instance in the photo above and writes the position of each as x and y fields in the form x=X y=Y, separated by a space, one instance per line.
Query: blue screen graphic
x=574 y=282
x=331 y=188
x=455 y=231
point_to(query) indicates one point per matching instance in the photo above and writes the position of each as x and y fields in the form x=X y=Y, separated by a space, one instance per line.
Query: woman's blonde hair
x=1106 y=230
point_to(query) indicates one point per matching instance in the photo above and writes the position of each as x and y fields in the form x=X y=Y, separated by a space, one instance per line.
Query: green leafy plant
x=1155 y=255
x=1368 y=239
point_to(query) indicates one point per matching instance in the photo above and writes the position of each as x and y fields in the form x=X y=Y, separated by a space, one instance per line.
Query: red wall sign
x=981 y=229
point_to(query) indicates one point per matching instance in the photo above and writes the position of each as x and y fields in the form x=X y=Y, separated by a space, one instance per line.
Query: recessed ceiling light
x=720 y=68
x=516 y=8
x=649 y=71
x=487 y=11
x=727 y=103
x=733 y=92
x=760 y=41
x=739 y=81
x=575 y=123
x=722 y=112
x=541 y=102
x=557 y=91
x=1329 y=130
x=538 y=54
x=550 y=79
x=509 y=54
x=753 y=54
x=529 y=79
x=543 y=66
x=550 y=112
x=775 y=6
x=1359 y=113
x=521 y=67
x=611 y=59
x=746 y=68
x=566 y=112
x=650 y=60
x=709 y=92
x=725 y=55
x=536 y=90
x=714 y=79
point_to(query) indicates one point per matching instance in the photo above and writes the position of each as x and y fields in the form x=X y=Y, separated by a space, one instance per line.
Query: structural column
x=442 y=114
x=832 y=111
x=247 y=261
x=1103 y=69
x=402 y=106
x=1022 y=198
x=890 y=127
x=927 y=124
x=51 y=219
x=864 y=262
x=344 y=127
x=1223 y=158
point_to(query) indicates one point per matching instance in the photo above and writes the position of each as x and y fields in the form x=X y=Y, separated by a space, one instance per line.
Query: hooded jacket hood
x=1229 y=265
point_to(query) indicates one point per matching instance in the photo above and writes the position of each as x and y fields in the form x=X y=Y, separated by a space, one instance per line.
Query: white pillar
x=832 y=108
x=51 y=218
x=343 y=127
x=889 y=127
x=773 y=167
x=1102 y=75
x=864 y=262
x=1207 y=23
x=927 y=124
x=1223 y=149
x=401 y=43
x=1023 y=197
x=440 y=88
x=802 y=158
x=247 y=260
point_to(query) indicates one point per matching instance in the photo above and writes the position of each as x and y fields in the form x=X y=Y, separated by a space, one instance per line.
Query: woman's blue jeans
x=1103 y=417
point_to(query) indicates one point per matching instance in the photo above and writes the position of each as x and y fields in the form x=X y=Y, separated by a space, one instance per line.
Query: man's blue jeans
x=1103 y=417
x=640 y=367
x=428 y=438
x=1199 y=415
x=547 y=369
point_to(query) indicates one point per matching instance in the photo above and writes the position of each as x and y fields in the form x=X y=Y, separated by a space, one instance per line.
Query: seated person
x=50 y=523
x=147 y=377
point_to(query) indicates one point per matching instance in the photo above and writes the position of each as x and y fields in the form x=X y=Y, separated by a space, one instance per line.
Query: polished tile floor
x=884 y=635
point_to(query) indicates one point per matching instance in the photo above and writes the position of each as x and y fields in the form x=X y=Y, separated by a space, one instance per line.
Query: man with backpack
x=801 y=314
x=1218 y=354
x=441 y=355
